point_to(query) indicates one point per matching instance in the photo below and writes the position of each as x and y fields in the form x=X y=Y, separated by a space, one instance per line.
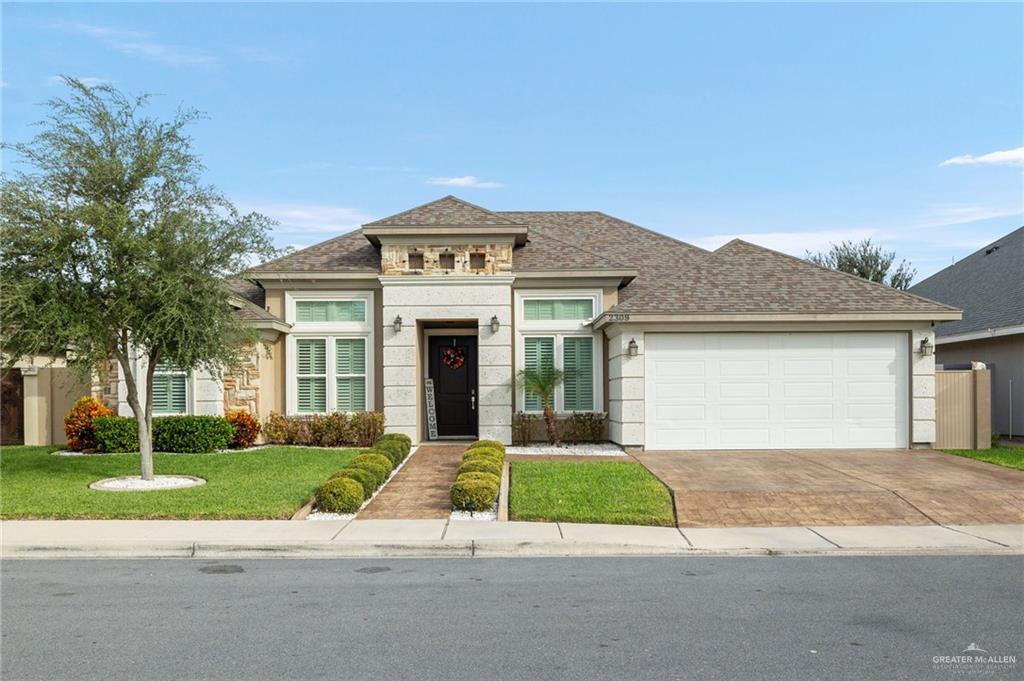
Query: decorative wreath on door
x=453 y=357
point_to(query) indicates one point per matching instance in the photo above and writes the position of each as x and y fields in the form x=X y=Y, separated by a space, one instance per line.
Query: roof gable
x=448 y=211
x=988 y=285
x=346 y=253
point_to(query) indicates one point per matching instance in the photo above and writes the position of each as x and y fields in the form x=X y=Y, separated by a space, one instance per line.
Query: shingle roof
x=741 y=277
x=349 y=252
x=988 y=285
x=253 y=300
x=448 y=210
x=673 y=276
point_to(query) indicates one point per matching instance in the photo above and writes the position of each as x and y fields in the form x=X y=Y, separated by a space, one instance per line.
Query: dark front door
x=453 y=369
x=12 y=408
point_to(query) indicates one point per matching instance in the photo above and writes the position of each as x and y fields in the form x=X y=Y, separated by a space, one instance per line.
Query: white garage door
x=776 y=390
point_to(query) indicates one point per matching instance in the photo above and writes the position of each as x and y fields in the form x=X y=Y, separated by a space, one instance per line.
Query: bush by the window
x=116 y=434
x=191 y=434
x=340 y=495
x=473 y=495
x=585 y=427
x=78 y=423
x=340 y=429
x=522 y=427
x=247 y=428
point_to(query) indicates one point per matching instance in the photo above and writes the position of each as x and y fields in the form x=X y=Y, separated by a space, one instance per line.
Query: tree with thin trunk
x=543 y=383
x=112 y=248
x=868 y=261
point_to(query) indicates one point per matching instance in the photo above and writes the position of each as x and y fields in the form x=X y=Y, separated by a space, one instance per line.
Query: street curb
x=450 y=549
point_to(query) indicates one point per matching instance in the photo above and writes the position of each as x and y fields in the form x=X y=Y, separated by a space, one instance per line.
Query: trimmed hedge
x=392 y=449
x=379 y=473
x=378 y=459
x=492 y=444
x=340 y=495
x=479 y=475
x=178 y=434
x=340 y=429
x=365 y=478
x=480 y=466
x=481 y=452
x=191 y=434
x=116 y=434
x=473 y=495
x=399 y=437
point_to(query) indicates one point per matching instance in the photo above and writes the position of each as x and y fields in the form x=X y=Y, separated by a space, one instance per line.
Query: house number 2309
x=618 y=317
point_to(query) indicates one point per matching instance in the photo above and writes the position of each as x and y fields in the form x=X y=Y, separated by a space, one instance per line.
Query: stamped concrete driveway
x=836 y=487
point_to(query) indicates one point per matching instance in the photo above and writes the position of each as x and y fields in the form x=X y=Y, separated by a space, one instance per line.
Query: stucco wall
x=1005 y=357
x=421 y=300
x=205 y=392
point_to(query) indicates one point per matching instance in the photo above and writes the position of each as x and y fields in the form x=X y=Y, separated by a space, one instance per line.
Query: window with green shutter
x=170 y=390
x=350 y=374
x=578 y=365
x=311 y=374
x=540 y=356
x=330 y=311
x=539 y=309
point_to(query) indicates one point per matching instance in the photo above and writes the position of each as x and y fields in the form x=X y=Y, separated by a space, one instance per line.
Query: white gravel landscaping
x=129 y=483
x=317 y=515
x=482 y=516
x=599 y=449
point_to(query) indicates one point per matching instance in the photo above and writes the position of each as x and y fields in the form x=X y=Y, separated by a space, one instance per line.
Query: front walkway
x=420 y=489
x=836 y=487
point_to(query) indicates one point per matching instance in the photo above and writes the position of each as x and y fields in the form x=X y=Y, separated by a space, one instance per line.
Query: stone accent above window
x=436 y=260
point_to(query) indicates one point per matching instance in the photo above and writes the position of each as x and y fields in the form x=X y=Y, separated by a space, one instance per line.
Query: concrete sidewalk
x=355 y=538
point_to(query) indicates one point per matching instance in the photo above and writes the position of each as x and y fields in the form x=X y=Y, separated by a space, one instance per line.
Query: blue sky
x=788 y=125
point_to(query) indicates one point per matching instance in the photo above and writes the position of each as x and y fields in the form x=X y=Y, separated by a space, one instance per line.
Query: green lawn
x=613 y=492
x=264 y=483
x=1010 y=457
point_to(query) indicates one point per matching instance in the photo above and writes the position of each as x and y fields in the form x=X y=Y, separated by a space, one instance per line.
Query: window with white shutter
x=350 y=374
x=170 y=390
x=311 y=374
x=578 y=365
x=540 y=356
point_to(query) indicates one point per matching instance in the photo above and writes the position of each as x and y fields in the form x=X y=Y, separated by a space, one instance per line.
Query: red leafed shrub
x=247 y=428
x=78 y=423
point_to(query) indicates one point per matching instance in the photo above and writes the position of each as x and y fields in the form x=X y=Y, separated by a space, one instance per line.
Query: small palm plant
x=543 y=384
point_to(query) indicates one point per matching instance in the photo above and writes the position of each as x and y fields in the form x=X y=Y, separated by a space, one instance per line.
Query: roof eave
x=517 y=232
x=614 y=317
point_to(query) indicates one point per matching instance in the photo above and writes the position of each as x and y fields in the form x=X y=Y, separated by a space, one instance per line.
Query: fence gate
x=963 y=409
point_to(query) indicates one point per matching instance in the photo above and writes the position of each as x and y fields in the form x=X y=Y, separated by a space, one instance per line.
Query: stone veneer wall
x=394 y=258
x=242 y=385
x=104 y=384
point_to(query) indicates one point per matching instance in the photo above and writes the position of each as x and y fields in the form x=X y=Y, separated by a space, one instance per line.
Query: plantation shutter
x=548 y=310
x=330 y=311
x=578 y=364
x=170 y=390
x=540 y=356
x=351 y=374
x=311 y=367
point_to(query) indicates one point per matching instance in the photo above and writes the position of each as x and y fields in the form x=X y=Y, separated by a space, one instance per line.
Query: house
x=742 y=347
x=988 y=286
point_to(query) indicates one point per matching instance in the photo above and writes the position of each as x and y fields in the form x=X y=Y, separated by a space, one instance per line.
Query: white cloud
x=942 y=215
x=794 y=243
x=1008 y=157
x=143 y=44
x=299 y=218
x=463 y=181
x=88 y=81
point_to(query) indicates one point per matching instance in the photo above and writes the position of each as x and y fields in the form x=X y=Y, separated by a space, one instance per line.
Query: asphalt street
x=549 y=618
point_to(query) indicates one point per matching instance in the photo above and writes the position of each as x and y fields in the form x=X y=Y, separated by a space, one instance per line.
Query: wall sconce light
x=633 y=348
x=495 y=324
x=398 y=324
x=926 y=349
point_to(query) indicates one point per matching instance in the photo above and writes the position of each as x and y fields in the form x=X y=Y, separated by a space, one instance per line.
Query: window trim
x=366 y=369
x=332 y=375
x=326 y=375
x=559 y=347
x=330 y=332
x=188 y=390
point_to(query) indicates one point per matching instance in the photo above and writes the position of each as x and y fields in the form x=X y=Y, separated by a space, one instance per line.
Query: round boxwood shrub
x=379 y=473
x=480 y=466
x=493 y=444
x=365 y=478
x=340 y=495
x=400 y=438
x=483 y=451
x=392 y=449
x=473 y=495
x=483 y=477
x=379 y=459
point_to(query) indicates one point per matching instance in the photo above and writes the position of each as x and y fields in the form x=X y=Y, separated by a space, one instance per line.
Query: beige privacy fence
x=963 y=409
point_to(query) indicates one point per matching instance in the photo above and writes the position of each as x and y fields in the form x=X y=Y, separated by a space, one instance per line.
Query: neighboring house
x=989 y=286
x=742 y=347
x=34 y=397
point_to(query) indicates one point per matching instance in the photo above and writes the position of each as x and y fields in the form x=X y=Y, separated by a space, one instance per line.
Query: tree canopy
x=111 y=247
x=868 y=261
